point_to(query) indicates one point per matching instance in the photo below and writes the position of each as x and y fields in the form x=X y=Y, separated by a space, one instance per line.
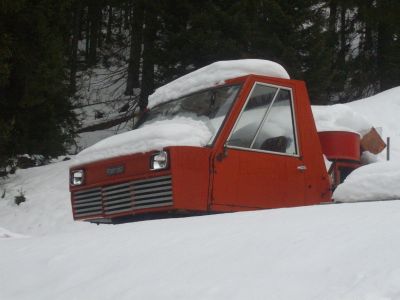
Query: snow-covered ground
x=47 y=209
x=342 y=251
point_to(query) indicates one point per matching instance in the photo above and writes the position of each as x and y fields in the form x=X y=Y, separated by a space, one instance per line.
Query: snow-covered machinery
x=232 y=136
x=343 y=150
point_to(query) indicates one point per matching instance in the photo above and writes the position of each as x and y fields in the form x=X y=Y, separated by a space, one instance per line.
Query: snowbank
x=215 y=74
x=382 y=110
x=47 y=208
x=177 y=132
x=326 y=252
x=340 y=117
x=378 y=181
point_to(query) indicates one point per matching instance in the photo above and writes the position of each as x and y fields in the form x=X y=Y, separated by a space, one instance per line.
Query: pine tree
x=35 y=113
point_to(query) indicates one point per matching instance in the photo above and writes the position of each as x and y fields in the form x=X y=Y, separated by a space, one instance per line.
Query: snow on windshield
x=215 y=74
x=210 y=107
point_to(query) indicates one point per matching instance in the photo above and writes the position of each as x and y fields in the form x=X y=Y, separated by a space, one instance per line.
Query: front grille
x=124 y=197
x=87 y=202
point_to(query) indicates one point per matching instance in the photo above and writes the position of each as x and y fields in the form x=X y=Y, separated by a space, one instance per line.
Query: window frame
x=293 y=115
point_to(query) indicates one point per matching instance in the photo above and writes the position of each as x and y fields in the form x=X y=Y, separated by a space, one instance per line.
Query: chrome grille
x=124 y=197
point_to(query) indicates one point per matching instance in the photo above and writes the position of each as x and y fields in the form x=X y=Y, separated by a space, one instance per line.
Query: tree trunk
x=332 y=17
x=136 y=31
x=94 y=16
x=147 y=87
x=109 y=24
x=87 y=36
x=74 y=46
x=343 y=33
x=387 y=54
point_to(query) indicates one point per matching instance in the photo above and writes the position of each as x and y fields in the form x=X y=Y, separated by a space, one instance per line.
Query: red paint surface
x=340 y=145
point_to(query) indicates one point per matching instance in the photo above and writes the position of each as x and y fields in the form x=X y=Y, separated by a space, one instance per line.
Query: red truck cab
x=264 y=152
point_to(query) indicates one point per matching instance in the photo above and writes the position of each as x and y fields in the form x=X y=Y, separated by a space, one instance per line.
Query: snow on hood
x=378 y=181
x=180 y=131
x=215 y=74
x=340 y=117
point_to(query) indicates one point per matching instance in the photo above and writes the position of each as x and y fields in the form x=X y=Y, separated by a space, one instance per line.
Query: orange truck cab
x=264 y=152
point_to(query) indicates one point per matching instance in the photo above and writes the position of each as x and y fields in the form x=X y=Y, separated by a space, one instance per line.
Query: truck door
x=261 y=166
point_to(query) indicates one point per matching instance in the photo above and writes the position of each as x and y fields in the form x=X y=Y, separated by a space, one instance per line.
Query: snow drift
x=340 y=117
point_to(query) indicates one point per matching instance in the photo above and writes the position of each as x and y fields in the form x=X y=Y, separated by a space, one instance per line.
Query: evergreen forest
x=344 y=50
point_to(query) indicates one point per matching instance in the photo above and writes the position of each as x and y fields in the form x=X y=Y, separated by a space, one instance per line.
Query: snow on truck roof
x=215 y=74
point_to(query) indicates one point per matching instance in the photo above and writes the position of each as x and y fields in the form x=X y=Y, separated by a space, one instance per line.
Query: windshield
x=210 y=106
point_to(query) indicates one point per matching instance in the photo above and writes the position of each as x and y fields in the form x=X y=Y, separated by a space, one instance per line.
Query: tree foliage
x=35 y=112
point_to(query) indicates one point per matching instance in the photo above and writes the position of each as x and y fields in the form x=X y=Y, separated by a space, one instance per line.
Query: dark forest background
x=344 y=50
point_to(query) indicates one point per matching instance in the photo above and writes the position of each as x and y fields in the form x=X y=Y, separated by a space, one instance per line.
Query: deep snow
x=343 y=251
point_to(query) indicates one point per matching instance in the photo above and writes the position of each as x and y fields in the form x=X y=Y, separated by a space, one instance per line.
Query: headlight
x=159 y=161
x=77 y=177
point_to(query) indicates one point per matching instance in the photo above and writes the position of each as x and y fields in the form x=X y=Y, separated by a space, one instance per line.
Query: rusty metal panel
x=372 y=142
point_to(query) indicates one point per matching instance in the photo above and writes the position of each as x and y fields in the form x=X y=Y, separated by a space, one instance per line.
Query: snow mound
x=47 y=209
x=382 y=110
x=215 y=74
x=378 y=181
x=340 y=117
x=179 y=131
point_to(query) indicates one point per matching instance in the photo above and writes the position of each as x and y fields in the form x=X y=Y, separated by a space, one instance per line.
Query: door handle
x=302 y=168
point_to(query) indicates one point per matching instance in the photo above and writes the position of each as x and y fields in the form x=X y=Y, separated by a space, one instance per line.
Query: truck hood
x=179 y=131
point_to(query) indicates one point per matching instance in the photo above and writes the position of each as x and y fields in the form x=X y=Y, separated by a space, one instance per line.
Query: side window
x=272 y=130
x=256 y=108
